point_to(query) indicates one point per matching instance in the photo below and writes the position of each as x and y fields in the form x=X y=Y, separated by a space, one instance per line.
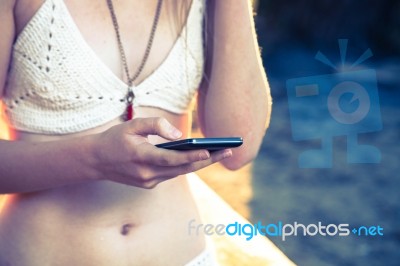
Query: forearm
x=235 y=100
x=32 y=166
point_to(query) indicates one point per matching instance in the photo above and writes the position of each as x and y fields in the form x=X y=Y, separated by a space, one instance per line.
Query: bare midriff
x=101 y=222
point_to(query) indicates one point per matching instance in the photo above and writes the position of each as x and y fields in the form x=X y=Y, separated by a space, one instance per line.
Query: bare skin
x=76 y=199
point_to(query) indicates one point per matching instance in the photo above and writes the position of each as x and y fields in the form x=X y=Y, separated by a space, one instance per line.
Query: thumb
x=153 y=126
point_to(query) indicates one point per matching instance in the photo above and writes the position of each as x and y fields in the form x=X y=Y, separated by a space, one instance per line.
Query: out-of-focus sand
x=4 y=134
x=4 y=131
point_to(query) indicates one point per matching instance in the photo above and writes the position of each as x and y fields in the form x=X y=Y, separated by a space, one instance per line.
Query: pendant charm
x=129 y=109
x=129 y=112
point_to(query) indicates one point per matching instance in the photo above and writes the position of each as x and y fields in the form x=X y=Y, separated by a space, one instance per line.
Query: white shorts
x=205 y=258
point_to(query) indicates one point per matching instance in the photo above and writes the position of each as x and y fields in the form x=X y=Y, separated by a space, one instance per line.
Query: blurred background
x=290 y=34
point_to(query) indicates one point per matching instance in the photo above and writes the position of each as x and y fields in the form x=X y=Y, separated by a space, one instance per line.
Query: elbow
x=240 y=157
x=246 y=153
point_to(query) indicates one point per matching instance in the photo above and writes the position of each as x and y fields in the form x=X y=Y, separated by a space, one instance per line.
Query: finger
x=152 y=183
x=152 y=155
x=154 y=126
x=215 y=157
x=146 y=184
x=163 y=173
x=168 y=172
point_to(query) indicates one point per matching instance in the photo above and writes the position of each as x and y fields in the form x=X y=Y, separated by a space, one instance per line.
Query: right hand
x=124 y=154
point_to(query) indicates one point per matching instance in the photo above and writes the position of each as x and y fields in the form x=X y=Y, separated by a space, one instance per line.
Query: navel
x=126 y=228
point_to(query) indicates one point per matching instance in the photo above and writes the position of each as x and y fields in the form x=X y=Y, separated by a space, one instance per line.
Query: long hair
x=178 y=11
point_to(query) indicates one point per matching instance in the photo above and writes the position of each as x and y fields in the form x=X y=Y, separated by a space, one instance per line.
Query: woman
x=85 y=185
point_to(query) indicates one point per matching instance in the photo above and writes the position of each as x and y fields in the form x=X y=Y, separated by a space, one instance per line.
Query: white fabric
x=205 y=258
x=58 y=85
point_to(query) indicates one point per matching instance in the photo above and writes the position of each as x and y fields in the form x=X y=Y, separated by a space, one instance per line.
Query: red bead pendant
x=129 y=108
x=129 y=112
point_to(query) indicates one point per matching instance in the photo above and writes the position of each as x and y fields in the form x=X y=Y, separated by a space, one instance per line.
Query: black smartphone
x=211 y=144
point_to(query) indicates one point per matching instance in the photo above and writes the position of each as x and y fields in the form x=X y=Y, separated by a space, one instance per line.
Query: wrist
x=89 y=155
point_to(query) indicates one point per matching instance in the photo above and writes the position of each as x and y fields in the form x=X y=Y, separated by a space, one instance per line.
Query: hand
x=123 y=154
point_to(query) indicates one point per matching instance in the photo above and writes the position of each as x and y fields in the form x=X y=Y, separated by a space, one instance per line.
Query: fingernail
x=176 y=133
x=227 y=153
x=204 y=155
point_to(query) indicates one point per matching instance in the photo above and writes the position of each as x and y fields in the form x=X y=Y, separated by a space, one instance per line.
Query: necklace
x=130 y=96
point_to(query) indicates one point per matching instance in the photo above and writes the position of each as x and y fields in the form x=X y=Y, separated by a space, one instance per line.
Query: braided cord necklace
x=130 y=96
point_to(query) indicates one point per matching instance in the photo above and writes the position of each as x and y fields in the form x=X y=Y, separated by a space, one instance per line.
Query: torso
x=105 y=223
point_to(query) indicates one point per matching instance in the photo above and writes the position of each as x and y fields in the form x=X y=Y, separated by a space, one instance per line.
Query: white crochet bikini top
x=56 y=83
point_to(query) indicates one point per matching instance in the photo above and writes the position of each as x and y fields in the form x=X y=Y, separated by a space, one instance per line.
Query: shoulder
x=7 y=8
x=7 y=5
x=7 y=36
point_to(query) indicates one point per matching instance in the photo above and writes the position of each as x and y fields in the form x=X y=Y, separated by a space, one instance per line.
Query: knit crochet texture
x=58 y=85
